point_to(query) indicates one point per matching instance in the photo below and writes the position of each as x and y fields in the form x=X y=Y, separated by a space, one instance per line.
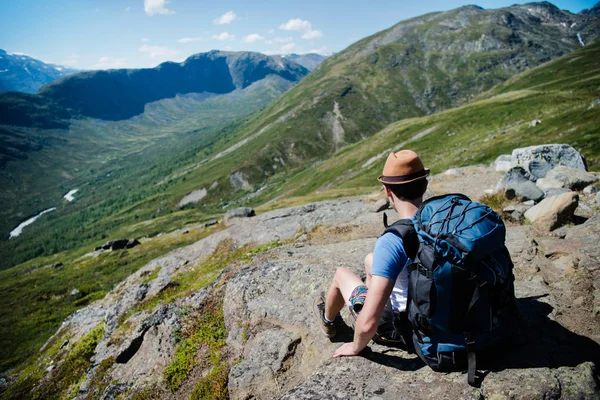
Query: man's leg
x=343 y=283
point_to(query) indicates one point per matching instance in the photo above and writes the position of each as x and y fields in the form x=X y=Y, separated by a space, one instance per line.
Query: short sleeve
x=389 y=257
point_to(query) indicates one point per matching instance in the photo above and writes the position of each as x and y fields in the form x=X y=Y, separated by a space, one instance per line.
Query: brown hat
x=403 y=167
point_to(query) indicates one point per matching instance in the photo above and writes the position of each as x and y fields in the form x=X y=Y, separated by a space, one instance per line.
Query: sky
x=103 y=34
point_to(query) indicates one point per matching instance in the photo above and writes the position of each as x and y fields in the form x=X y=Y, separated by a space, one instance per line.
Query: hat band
x=404 y=178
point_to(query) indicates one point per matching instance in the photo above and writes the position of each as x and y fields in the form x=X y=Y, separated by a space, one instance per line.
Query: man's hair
x=409 y=191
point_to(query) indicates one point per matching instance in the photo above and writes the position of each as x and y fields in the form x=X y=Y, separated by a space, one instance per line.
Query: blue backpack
x=461 y=297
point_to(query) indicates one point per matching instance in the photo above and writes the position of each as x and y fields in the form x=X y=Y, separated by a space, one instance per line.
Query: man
x=405 y=180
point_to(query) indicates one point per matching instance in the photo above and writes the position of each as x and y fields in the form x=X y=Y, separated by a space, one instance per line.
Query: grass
x=36 y=297
x=65 y=378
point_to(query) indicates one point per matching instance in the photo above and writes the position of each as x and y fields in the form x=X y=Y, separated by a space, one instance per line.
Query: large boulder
x=518 y=183
x=539 y=160
x=553 y=211
x=573 y=178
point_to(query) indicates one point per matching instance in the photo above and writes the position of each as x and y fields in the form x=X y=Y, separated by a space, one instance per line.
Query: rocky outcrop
x=273 y=348
x=118 y=244
x=518 y=183
x=572 y=178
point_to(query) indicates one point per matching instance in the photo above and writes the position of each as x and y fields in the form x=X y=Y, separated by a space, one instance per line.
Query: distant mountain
x=309 y=61
x=22 y=73
x=592 y=11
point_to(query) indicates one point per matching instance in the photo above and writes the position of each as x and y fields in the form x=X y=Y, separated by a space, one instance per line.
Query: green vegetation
x=65 y=378
x=36 y=297
x=204 y=329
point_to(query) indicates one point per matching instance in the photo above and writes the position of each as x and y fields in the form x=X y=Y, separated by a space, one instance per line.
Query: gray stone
x=241 y=212
x=549 y=183
x=553 y=211
x=555 y=192
x=597 y=199
x=454 y=172
x=523 y=191
x=75 y=293
x=132 y=243
x=503 y=163
x=539 y=160
x=534 y=123
x=210 y=222
x=516 y=212
x=380 y=205
x=57 y=265
x=575 y=179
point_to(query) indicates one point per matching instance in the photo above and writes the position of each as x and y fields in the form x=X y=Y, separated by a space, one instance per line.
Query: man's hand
x=347 y=349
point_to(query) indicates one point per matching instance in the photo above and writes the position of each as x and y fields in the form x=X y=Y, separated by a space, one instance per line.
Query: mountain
x=592 y=11
x=122 y=93
x=418 y=67
x=309 y=61
x=21 y=73
x=44 y=150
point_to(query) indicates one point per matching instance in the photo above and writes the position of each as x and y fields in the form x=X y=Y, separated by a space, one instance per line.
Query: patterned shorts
x=357 y=299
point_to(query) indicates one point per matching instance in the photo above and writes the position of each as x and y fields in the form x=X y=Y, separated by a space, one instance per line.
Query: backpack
x=461 y=297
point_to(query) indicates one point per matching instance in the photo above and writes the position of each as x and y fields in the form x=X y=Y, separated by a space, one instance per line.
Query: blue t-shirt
x=389 y=261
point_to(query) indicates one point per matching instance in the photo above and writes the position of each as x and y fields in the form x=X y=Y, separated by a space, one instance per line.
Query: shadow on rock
x=547 y=343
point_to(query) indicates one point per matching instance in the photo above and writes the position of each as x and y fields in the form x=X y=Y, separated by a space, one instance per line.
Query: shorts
x=394 y=328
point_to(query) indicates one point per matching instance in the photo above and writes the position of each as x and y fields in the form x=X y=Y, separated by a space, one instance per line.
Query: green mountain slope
x=40 y=165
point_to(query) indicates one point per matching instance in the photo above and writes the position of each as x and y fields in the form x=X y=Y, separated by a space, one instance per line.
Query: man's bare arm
x=368 y=319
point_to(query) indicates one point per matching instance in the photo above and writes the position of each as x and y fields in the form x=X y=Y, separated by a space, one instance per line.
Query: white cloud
x=252 y=38
x=189 y=39
x=152 y=7
x=127 y=9
x=312 y=34
x=305 y=27
x=144 y=40
x=226 y=18
x=224 y=36
x=296 y=24
x=287 y=47
x=109 y=63
x=159 y=52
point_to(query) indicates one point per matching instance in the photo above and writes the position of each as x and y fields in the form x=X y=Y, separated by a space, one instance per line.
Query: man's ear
x=388 y=192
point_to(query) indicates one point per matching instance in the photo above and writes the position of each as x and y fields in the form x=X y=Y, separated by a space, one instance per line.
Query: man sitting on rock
x=379 y=304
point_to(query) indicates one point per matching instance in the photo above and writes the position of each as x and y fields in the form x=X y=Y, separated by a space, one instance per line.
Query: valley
x=162 y=165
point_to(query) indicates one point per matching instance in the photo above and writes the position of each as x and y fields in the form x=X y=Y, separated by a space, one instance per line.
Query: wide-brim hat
x=403 y=167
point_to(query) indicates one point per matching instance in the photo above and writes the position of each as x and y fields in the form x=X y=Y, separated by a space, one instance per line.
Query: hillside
x=310 y=61
x=21 y=73
x=418 y=67
x=289 y=148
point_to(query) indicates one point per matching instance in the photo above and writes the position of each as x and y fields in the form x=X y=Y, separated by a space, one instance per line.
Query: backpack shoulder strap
x=406 y=230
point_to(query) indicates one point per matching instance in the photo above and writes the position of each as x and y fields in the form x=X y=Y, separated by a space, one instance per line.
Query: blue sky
x=98 y=34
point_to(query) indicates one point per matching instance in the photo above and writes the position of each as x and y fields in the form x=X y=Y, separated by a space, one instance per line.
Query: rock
x=210 y=222
x=75 y=293
x=523 y=191
x=64 y=344
x=535 y=122
x=539 y=160
x=380 y=205
x=241 y=212
x=590 y=190
x=516 y=212
x=555 y=192
x=503 y=163
x=132 y=243
x=549 y=183
x=515 y=175
x=553 y=211
x=118 y=244
x=453 y=172
x=193 y=197
x=597 y=199
x=57 y=265
x=573 y=178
